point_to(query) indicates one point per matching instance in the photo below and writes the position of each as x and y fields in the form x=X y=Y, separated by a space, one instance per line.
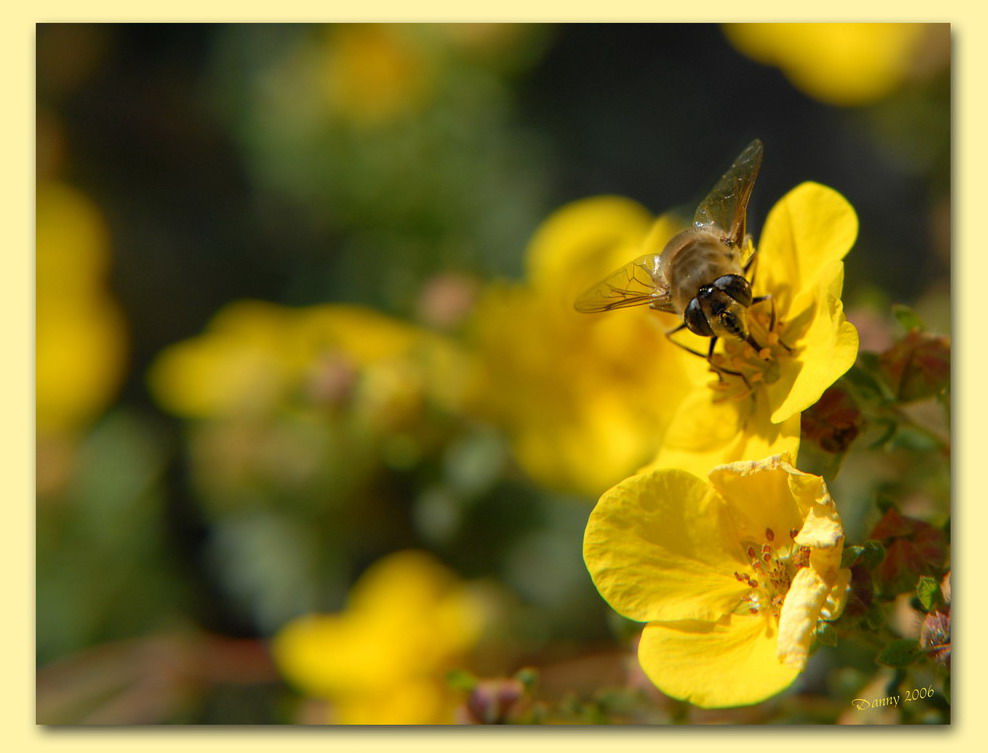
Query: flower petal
x=659 y=546
x=732 y=662
x=820 y=329
x=705 y=433
x=811 y=227
x=843 y=64
x=800 y=612
x=758 y=497
x=584 y=241
x=837 y=598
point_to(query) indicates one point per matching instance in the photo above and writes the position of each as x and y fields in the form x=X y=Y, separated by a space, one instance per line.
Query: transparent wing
x=726 y=205
x=637 y=283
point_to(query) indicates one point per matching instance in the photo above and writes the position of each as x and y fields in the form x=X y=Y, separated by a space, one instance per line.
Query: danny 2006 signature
x=861 y=704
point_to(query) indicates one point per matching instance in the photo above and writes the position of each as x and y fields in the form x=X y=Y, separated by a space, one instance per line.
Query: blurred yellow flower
x=732 y=575
x=584 y=400
x=375 y=72
x=293 y=397
x=256 y=358
x=807 y=341
x=81 y=337
x=384 y=659
x=841 y=64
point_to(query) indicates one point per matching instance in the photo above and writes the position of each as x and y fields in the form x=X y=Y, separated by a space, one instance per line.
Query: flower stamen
x=748 y=364
x=778 y=565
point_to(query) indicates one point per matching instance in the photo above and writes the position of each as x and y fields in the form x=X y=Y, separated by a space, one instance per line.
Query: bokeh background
x=296 y=444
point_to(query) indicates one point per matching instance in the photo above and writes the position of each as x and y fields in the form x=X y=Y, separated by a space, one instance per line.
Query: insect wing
x=638 y=283
x=726 y=205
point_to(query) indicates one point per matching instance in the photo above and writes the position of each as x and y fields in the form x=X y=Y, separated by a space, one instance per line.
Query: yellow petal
x=728 y=663
x=826 y=345
x=705 y=433
x=843 y=64
x=758 y=498
x=810 y=227
x=586 y=239
x=659 y=546
x=614 y=381
x=79 y=359
x=837 y=598
x=427 y=610
x=800 y=612
x=416 y=701
x=822 y=529
x=362 y=333
x=328 y=655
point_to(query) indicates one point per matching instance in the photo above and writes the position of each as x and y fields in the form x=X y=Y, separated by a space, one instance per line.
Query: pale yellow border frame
x=18 y=730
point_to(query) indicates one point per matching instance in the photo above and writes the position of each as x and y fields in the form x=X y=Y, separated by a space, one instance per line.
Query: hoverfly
x=700 y=274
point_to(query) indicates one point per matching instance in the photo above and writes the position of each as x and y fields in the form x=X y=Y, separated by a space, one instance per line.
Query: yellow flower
x=317 y=395
x=732 y=575
x=376 y=73
x=80 y=329
x=383 y=660
x=583 y=399
x=257 y=357
x=842 y=64
x=752 y=408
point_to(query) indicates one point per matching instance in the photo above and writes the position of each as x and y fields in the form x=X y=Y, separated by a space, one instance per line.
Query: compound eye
x=696 y=320
x=735 y=286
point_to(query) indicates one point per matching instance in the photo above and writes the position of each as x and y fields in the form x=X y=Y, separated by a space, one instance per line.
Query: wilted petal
x=806 y=597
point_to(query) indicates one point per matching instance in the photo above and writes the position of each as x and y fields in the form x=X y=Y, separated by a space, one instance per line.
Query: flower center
x=740 y=368
x=773 y=564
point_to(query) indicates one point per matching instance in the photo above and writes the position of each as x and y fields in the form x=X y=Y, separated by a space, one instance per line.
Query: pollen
x=776 y=565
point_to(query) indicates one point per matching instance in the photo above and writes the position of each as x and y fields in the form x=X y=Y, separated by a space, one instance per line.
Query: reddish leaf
x=918 y=366
x=912 y=548
x=833 y=421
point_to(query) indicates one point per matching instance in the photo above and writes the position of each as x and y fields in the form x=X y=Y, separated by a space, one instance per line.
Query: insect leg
x=767 y=297
x=688 y=349
x=718 y=370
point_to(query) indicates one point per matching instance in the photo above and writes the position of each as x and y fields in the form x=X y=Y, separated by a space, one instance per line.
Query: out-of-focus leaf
x=907 y=317
x=928 y=593
x=918 y=366
x=913 y=548
x=900 y=653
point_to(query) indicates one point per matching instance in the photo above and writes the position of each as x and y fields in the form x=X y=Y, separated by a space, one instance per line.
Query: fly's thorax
x=695 y=258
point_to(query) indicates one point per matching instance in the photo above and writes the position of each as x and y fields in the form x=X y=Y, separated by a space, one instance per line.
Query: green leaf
x=850 y=555
x=908 y=319
x=867 y=555
x=889 y=427
x=460 y=679
x=900 y=653
x=928 y=593
x=874 y=553
x=874 y=618
x=528 y=677
x=866 y=381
